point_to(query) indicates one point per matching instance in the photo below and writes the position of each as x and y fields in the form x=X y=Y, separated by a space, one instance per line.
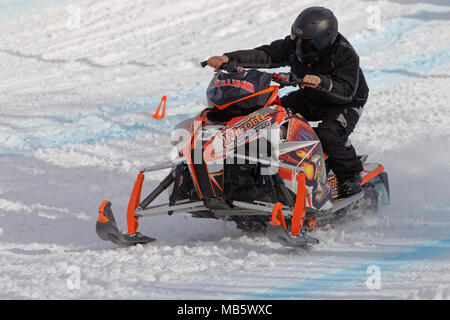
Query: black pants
x=337 y=124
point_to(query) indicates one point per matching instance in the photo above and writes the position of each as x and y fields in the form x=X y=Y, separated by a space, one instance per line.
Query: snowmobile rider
x=333 y=88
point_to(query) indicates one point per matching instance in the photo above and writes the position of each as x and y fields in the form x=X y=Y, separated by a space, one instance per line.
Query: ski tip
x=101 y=212
x=106 y=229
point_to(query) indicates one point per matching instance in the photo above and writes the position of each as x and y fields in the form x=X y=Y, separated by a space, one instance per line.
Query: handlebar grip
x=231 y=67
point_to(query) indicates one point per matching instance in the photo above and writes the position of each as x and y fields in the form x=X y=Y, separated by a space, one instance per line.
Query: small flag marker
x=158 y=116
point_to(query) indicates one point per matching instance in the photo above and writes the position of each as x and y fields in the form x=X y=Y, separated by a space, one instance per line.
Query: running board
x=342 y=203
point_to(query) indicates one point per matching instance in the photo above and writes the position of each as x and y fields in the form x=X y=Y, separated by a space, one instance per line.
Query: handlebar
x=229 y=66
x=282 y=81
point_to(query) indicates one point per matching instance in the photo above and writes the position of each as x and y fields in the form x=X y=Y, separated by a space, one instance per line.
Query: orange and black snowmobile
x=247 y=159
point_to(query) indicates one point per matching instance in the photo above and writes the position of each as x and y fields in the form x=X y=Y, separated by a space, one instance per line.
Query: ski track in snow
x=75 y=125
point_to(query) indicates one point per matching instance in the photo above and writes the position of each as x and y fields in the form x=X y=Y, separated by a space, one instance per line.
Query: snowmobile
x=247 y=159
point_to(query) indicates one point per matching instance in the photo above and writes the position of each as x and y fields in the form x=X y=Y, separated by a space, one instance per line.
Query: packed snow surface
x=78 y=84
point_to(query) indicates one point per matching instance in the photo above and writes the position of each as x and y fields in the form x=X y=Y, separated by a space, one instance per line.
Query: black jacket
x=343 y=81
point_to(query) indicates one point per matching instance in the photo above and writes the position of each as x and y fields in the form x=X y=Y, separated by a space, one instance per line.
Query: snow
x=76 y=124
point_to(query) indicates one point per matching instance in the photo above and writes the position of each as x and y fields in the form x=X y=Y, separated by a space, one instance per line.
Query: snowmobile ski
x=279 y=234
x=106 y=229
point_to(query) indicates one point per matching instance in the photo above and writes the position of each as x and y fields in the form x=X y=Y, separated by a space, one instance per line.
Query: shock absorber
x=267 y=173
x=281 y=187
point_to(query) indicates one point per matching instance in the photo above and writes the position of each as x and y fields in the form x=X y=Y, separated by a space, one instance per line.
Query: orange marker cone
x=158 y=116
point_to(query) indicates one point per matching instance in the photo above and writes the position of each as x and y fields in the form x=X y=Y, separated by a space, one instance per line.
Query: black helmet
x=315 y=29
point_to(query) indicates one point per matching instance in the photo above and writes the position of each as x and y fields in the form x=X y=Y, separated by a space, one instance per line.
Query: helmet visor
x=307 y=46
x=306 y=50
x=313 y=44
